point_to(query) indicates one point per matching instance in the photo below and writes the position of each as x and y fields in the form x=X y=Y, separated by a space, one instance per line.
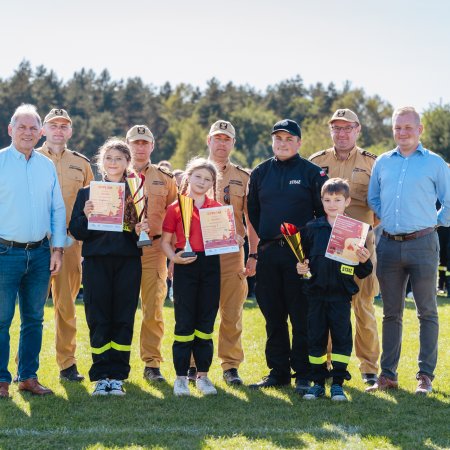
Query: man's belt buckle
x=398 y=238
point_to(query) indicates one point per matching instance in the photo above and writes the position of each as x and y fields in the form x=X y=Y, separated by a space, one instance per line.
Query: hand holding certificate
x=347 y=236
x=108 y=204
x=219 y=231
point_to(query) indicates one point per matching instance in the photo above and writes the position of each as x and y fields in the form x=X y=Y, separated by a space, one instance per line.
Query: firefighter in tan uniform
x=74 y=172
x=161 y=191
x=232 y=190
x=346 y=160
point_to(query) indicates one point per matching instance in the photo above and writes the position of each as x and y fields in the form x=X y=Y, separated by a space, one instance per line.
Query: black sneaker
x=71 y=374
x=231 y=376
x=369 y=378
x=153 y=374
x=192 y=374
x=314 y=392
x=302 y=386
x=337 y=393
x=268 y=382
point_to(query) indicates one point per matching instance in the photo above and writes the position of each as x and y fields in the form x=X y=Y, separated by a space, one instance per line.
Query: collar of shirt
x=48 y=150
x=350 y=154
x=419 y=149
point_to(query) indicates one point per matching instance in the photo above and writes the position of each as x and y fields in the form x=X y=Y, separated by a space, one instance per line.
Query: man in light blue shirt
x=403 y=189
x=32 y=211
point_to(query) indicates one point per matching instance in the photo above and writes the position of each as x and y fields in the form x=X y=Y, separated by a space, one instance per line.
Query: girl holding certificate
x=111 y=272
x=196 y=285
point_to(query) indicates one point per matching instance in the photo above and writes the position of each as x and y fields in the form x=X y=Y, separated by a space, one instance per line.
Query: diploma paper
x=347 y=234
x=218 y=230
x=109 y=201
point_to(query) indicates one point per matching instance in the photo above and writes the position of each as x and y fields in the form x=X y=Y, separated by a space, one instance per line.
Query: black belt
x=25 y=245
x=409 y=236
x=156 y=236
x=269 y=242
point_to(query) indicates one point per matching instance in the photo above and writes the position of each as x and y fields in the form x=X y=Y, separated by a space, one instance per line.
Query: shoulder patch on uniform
x=370 y=155
x=243 y=170
x=81 y=156
x=315 y=155
x=165 y=171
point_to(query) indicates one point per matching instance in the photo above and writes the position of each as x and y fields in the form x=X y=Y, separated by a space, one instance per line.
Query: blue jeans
x=24 y=274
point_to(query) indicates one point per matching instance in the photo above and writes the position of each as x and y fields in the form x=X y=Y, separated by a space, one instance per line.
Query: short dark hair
x=336 y=186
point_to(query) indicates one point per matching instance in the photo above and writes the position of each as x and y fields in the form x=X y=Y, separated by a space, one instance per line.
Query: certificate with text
x=346 y=236
x=218 y=230
x=109 y=205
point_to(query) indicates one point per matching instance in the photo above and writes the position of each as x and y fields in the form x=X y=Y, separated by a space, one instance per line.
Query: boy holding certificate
x=330 y=291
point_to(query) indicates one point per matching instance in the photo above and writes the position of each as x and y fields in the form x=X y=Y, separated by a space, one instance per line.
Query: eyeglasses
x=226 y=194
x=110 y=160
x=348 y=129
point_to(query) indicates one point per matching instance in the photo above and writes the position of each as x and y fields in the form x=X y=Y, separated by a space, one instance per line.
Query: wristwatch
x=59 y=249
x=253 y=255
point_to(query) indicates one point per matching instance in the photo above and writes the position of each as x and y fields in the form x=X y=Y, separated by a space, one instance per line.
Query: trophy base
x=144 y=243
x=188 y=254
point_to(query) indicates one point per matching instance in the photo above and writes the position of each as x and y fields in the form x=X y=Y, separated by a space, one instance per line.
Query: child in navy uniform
x=330 y=292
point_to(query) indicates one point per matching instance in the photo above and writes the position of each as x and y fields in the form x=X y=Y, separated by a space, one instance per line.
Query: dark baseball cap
x=288 y=125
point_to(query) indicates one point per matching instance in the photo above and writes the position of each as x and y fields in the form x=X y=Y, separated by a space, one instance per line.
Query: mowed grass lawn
x=150 y=416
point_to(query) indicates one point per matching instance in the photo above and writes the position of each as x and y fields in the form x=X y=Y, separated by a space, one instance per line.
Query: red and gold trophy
x=293 y=238
x=136 y=185
x=186 y=209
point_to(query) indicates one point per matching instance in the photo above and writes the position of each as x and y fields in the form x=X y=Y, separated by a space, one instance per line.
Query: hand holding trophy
x=186 y=209
x=136 y=185
x=292 y=235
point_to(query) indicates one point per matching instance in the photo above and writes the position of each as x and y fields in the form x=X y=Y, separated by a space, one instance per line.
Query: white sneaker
x=181 y=387
x=116 y=387
x=102 y=387
x=205 y=386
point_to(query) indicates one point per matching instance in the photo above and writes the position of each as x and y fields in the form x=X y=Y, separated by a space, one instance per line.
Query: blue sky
x=398 y=49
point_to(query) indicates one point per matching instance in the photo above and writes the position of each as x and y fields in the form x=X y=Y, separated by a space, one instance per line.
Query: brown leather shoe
x=4 y=389
x=32 y=385
x=424 y=385
x=383 y=384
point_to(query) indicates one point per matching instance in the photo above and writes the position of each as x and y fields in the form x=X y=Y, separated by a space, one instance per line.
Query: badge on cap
x=141 y=130
x=58 y=112
x=223 y=126
x=341 y=113
x=284 y=123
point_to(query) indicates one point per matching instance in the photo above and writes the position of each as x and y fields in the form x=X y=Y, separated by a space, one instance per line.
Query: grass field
x=149 y=416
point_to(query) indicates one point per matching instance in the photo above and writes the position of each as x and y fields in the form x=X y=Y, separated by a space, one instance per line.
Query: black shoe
x=153 y=374
x=71 y=374
x=302 y=386
x=269 y=381
x=192 y=374
x=232 y=377
x=369 y=378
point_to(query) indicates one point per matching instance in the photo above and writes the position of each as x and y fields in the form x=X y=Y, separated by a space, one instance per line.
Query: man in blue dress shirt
x=32 y=212
x=403 y=189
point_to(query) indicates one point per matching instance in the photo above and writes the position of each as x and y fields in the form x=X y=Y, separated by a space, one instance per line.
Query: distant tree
x=436 y=135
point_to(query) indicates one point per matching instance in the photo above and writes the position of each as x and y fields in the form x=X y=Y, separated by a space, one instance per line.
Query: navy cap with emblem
x=288 y=125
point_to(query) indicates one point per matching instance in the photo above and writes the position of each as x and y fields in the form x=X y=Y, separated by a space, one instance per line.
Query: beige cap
x=345 y=114
x=57 y=113
x=222 y=127
x=140 y=133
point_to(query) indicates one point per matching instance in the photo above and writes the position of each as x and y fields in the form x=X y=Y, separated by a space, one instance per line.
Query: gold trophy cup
x=292 y=235
x=136 y=185
x=186 y=208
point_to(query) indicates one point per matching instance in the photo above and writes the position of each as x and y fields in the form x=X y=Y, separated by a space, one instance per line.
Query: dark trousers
x=280 y=296
x=326 y=318
x=397 y=261
x=196 y=294
x=111 y=293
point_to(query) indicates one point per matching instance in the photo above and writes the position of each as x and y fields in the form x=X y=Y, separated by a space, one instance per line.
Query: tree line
x=180 y=116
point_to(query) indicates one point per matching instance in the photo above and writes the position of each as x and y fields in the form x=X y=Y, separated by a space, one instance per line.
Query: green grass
x=151 y=417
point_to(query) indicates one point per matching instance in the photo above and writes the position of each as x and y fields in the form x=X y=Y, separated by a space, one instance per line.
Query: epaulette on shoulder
x=370 y=155
x=315 y=155
x=81 y=156
x=165 y=171
x=243 y=170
